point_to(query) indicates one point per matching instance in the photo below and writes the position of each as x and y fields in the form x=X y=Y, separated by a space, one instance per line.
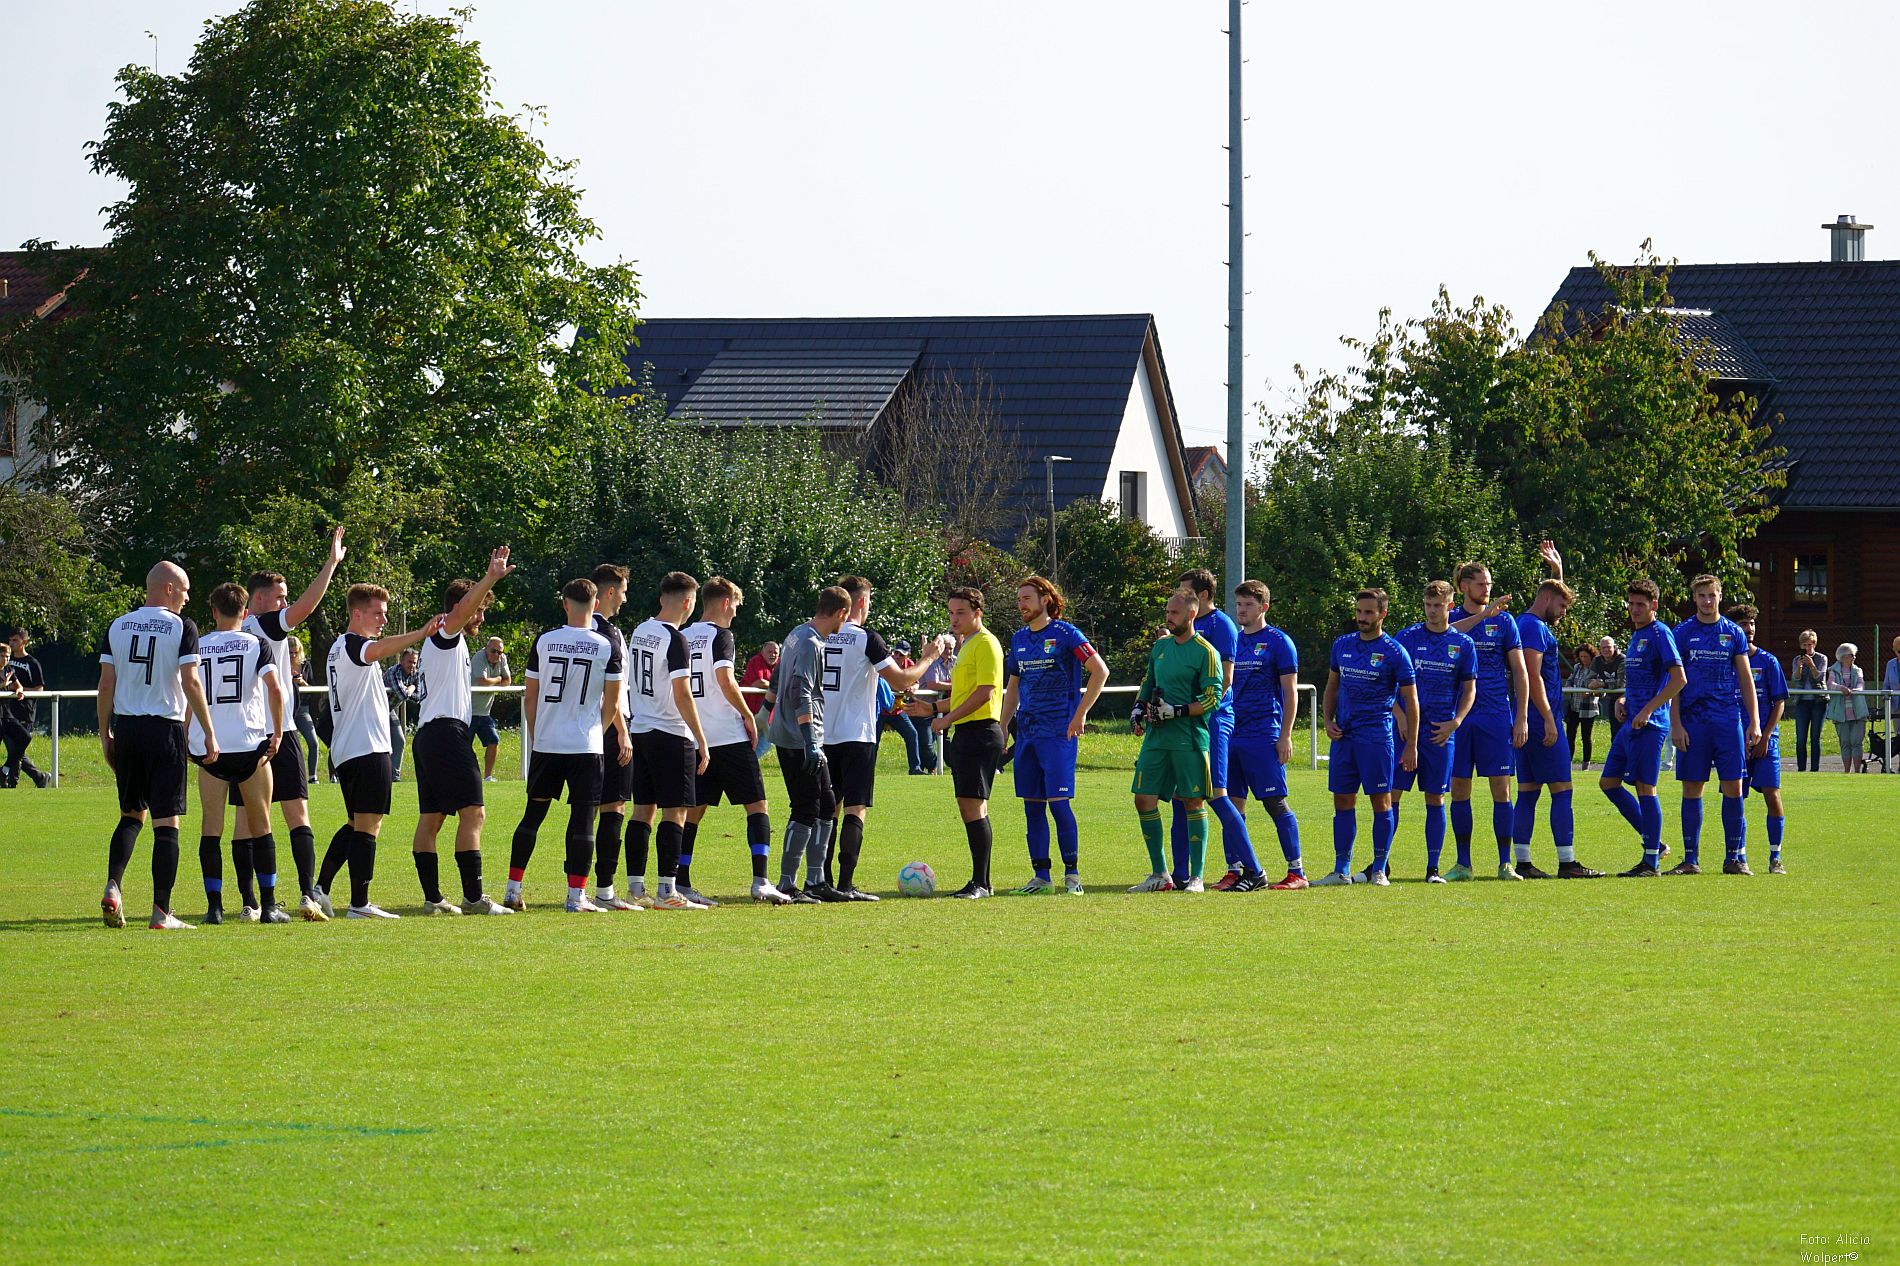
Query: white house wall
x=1143 y=446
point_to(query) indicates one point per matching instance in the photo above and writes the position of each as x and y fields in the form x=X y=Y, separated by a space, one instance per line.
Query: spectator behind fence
x=300 y=706
x=758 y=672
x=490 y=668
x=18 y=715
x=1581 y=710
x=937 y=678
x=1848 y=706
x=404 y=685
x=891 y=716
x=1808 y=671
x=1890 y=680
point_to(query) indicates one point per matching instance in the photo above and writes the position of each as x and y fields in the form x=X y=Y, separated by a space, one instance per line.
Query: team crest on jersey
x=1452 y=651
x=1722 y=639
x=1048 y=646
x=1490 y=629
x=1259 y=648
x=1377 y=659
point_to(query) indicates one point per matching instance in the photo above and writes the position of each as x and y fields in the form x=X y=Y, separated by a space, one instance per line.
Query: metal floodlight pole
x=1236 y=457
x=1049 y=468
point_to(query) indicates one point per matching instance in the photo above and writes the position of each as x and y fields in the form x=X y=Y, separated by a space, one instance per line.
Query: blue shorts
x=1433 y=775
x=1716 y=745
x=1764 y=772
x=482 y=726
x=1636 y=755
x=1045 y=768
x=1220 y=735
x=1482 y=749
x=1256 y=771
x=1361 y=763
x=1539 y=764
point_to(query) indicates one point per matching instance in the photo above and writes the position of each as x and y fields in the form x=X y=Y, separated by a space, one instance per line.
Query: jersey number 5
x=831 y=672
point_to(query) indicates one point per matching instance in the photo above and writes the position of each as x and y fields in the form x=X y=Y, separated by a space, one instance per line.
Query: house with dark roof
x=1090 y=391
x=28 y=292
x=1819 y=345
x=1207 y=474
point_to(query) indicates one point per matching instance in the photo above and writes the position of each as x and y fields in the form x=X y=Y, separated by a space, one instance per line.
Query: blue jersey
x=1534 y=635
x=1647 y=660
x=1708 y=657
x=1771 y=684
x=1443 y=662
x=1049 y=665
x=1259 y=663
x=1494 y=636
x=1224 y=636
x=1370 y=674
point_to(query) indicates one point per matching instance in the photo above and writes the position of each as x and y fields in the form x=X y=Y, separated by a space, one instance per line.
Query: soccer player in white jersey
x=246 y=702
x=359 y=743
x=669 y=744
x=854 y=658
x=148 y=679
x=732 y=766
x=574 y=680
x=616 y=764
x=448 y=778
x=272 y=619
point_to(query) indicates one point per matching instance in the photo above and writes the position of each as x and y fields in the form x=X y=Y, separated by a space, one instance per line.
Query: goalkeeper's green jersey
x=1181 y=673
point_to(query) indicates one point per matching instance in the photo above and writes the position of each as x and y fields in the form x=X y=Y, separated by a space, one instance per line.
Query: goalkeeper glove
x=1162 y=710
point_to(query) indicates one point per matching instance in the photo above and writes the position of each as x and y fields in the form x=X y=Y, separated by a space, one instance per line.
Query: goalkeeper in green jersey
x=1183 y=684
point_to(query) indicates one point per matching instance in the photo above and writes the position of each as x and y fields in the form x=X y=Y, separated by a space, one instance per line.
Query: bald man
x=147 y=679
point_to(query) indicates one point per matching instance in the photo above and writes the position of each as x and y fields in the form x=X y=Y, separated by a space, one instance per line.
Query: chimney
x=1848 y=240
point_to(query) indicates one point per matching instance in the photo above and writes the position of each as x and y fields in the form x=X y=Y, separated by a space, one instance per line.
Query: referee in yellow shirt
x=970 y=720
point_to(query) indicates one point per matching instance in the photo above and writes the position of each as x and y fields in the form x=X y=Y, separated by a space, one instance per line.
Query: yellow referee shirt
x=979 y=663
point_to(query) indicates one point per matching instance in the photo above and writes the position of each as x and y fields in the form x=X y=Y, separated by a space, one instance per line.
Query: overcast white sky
x=869 y=157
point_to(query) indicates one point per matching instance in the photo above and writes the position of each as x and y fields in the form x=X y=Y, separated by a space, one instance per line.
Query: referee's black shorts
x=148 y=764
x=448 y=775
x=807 y=786
x=974 y=754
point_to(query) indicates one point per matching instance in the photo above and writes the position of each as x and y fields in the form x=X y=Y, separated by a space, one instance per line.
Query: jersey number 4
x=148 y=658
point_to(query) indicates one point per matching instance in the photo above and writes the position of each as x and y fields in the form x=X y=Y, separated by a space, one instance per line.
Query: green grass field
x=1685 y=1070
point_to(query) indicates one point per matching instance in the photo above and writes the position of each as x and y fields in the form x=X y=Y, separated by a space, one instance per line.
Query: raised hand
x=498 y=564
x=336 y=545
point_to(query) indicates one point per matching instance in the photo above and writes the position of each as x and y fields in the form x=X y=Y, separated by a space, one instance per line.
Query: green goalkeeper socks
x=1197 y=841
x=1151 y=836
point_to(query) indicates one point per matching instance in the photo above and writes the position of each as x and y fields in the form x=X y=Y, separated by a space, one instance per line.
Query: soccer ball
x=917 y=880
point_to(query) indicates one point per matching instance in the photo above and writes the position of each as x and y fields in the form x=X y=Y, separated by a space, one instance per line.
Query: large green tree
x=336 y=261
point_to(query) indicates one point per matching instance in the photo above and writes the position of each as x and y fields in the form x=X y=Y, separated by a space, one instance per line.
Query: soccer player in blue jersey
x=1487 y=743
x=1652 y=677
x=1266 y=700
x=1369 y=672
x=1545 y=758
x=1445 y=662
x=1052 y=678
x=1220 y=632
x=1764 y=758
x=1718 y=723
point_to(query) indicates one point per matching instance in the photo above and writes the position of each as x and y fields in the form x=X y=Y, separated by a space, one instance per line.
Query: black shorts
x=853 y=771
x=289 y=779
x=148 y=763
x=664 y=768
x=366 y=780
x=616 y=780
x=732 y=771
x=235 y=768
x=578 y=772
x=448 y=775
x=974 y=752
x=807 y=786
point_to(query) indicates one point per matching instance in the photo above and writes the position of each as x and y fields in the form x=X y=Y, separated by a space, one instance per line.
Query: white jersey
x=656 y=658
x=359 y=706
x=146 y=648
x=271 y=630
x=568 y=669
x=607 y=629
x=234 y=667
x=443 y=676
x=710 y=648
x=853 y=658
